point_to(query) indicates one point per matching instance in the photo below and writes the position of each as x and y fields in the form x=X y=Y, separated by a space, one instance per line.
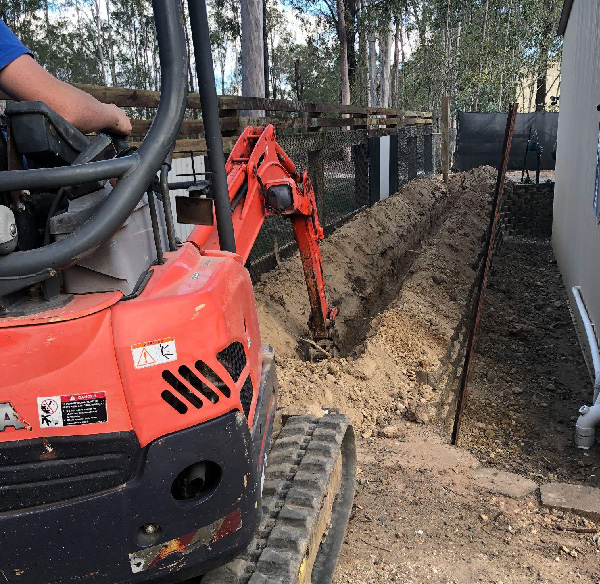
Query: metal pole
x=212 y=124
x=489 y=252
x=164 y=187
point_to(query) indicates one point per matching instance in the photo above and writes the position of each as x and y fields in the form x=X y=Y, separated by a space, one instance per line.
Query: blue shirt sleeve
x=10 y=46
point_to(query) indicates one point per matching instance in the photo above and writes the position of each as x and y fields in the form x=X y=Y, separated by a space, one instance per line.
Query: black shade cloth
x=479 y=140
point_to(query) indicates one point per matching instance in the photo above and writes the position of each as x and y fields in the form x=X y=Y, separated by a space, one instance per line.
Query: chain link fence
x=350 y=170
x=342 y=166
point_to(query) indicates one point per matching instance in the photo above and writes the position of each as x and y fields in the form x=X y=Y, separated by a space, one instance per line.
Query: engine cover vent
x=233 y=358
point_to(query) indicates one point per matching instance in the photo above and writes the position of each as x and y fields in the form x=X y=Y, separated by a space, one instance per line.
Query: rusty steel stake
x=489 y=252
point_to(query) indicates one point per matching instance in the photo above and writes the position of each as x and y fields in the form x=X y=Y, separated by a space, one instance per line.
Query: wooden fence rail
x=284 y=115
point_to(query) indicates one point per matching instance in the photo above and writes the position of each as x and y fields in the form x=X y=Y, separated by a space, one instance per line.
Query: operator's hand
x=25 y=80
x=121 y=124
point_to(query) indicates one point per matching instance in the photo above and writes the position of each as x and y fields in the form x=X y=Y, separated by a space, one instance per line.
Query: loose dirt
x=529 y=378
x=402 y=274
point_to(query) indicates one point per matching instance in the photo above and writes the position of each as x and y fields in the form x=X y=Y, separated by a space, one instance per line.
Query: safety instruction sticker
x=154 y=353
x=72 y=410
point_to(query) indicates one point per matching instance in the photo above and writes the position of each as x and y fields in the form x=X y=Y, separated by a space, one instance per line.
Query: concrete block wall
x=526 y=210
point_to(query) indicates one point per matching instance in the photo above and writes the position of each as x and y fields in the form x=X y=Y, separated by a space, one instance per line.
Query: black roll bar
x=212 y=123
x=136 y=171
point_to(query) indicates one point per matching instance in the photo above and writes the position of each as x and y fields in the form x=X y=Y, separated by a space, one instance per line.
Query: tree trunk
x=542 y=75
x=96 y=9
x=480 y=81
x=189 y=52
x=402 y=51
x=448 y=47
x=504 y=53
x=111 y=47
x=351 y=14
x=136 y=53
x=266 y=49
x=273 y=76
x=298 y=80
x=222 y=58
x=372 y=95
x=341 y=14
x=362 y=58
x=385 y=47
x=155 y=63
x=540 y=90
x=394 y=102
x=252 y=52
x=531 y=88
x=456 y=60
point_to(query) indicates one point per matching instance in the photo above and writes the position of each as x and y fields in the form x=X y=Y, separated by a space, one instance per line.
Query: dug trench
x=403 y=274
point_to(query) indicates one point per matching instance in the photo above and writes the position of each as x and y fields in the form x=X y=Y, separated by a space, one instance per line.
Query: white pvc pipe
x=591 y=337
x=589 y=417
x=585 y=428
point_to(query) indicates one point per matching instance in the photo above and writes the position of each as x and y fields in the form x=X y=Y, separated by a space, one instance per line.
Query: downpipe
x=589 y=416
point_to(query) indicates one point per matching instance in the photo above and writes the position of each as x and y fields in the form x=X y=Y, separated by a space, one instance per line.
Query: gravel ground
x=529 y=377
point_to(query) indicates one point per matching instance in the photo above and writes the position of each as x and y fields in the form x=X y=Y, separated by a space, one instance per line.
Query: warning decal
x=72 y=410
x=154 y=353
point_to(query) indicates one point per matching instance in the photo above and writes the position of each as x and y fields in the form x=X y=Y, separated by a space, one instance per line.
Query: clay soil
x=403 y=276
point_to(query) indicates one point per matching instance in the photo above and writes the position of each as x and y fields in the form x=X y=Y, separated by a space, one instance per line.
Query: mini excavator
x=137 y=401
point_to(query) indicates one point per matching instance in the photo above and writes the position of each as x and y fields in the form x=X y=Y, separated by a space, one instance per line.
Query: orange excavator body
x=179 y=362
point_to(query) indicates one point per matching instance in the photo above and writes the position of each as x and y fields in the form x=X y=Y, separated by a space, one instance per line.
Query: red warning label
x=72 y=409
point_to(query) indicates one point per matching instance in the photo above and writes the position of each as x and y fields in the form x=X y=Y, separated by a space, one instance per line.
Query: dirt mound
x=362 y=260
x=402 y=275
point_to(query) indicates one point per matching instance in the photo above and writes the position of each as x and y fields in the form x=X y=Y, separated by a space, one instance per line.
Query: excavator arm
x=263 y=181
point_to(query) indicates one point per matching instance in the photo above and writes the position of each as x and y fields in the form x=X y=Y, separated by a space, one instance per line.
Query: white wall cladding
x=576 y=233
x=179 y=167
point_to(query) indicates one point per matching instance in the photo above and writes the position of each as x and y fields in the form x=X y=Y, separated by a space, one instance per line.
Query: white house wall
x=576 y=233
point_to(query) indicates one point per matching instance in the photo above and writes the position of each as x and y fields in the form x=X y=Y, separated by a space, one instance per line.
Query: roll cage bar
x=135 y=171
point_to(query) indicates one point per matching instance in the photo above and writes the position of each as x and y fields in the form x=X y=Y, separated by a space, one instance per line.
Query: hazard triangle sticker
x=145 y=359
x=154 y=353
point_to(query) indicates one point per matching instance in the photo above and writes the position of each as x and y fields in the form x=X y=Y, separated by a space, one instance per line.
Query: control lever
x=122 y=148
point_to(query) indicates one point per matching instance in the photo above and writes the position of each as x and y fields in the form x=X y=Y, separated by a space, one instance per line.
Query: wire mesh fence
x=350 y=170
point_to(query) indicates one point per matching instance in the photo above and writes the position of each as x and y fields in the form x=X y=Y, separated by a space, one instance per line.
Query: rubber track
x=299 y=468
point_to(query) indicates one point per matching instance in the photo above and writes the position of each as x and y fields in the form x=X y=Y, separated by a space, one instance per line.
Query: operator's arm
x=23 y=79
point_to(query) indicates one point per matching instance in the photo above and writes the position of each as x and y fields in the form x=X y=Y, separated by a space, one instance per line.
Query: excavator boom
x=263 y=181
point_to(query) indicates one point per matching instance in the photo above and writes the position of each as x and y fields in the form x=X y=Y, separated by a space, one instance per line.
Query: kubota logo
x=9 y=418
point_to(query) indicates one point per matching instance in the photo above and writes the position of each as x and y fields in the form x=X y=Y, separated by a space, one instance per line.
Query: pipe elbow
x=585 y=428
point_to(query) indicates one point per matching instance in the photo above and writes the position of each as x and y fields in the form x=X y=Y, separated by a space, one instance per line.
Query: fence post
x=445 y=137
x=316 y=172
x=374 y=170
x=360 y=156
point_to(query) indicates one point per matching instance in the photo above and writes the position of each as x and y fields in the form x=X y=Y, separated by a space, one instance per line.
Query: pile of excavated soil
x=402 y=276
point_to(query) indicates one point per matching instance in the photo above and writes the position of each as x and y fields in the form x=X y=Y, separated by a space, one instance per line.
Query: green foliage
x=481 y=52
